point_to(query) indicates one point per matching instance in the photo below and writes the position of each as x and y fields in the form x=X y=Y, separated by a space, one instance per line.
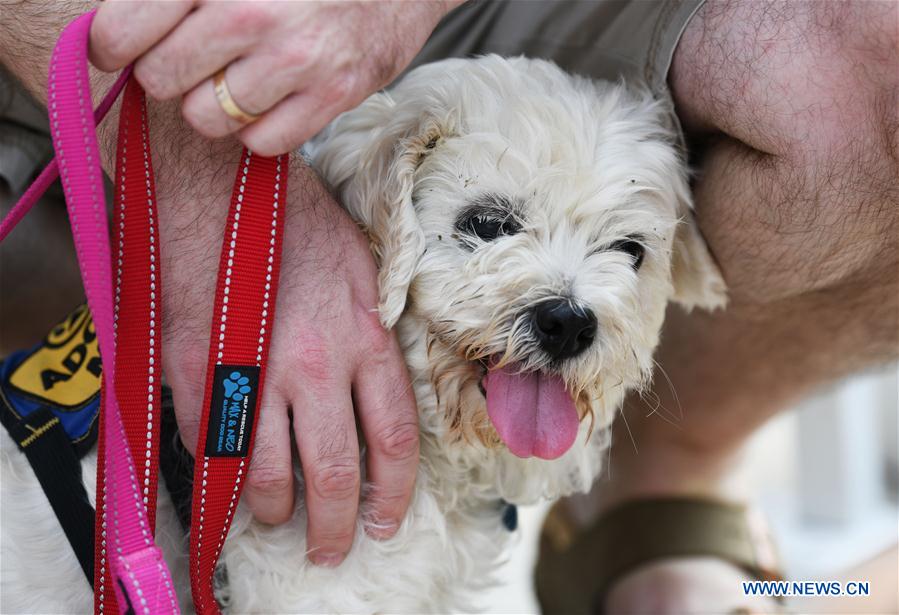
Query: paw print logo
x=236 y=386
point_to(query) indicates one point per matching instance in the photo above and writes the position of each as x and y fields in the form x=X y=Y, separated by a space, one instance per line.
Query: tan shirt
x=25 y=145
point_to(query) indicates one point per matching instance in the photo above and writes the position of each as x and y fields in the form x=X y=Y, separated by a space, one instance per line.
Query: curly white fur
x=580 y=165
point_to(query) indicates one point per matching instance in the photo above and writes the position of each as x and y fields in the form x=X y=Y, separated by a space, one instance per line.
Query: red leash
x=242 y=321
x=243 y=314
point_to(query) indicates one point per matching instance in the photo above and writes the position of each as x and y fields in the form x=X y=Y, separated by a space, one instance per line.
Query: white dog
x=530 y=228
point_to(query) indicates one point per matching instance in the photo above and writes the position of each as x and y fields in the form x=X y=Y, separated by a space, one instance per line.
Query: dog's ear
x=696 y=278
x=369 y=156
x=398 y=241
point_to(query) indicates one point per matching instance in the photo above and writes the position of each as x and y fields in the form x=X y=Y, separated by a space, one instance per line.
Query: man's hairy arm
x=328 y=349
x=187 y=165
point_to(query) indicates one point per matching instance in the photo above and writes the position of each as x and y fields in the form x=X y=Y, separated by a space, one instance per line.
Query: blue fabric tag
x=235 y=392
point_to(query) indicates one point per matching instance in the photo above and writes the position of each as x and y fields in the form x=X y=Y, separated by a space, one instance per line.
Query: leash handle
x=137 y=318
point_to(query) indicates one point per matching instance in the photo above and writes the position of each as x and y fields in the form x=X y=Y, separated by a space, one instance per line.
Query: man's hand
x=329 y=357
x=298 y=64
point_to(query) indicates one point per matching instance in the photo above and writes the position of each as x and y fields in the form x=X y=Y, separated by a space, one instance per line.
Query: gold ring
x=231 y=108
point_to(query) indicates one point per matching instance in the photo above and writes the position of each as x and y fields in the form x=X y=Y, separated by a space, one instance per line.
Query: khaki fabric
x=39 y=278
x=24 y=138
x=602 y=39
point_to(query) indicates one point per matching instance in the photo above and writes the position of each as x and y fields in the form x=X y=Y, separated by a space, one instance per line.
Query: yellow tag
x=66 y=370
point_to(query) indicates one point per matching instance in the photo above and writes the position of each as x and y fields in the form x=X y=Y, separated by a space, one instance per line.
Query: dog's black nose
x=563 y=330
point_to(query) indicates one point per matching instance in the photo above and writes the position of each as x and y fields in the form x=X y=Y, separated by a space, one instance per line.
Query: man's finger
x=325 y=430
x=293 y=121
x=386 y=407
x=205 y=41
x=204 y=112
x=182 y=376
x=281 y=79
x=269 y=490
x=123 y=30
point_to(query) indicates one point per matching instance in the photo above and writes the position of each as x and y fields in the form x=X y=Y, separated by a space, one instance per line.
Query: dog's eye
x=488 y=217
x=485 y=227
x=632 y=247
x=488 y=227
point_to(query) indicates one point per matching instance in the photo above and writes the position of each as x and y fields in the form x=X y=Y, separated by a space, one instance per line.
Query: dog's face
x=538 y=224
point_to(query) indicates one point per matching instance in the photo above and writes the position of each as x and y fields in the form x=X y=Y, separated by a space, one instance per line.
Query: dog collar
x=509 y=515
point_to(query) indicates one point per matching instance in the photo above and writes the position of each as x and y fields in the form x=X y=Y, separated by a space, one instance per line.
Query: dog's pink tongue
x=532 y=412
